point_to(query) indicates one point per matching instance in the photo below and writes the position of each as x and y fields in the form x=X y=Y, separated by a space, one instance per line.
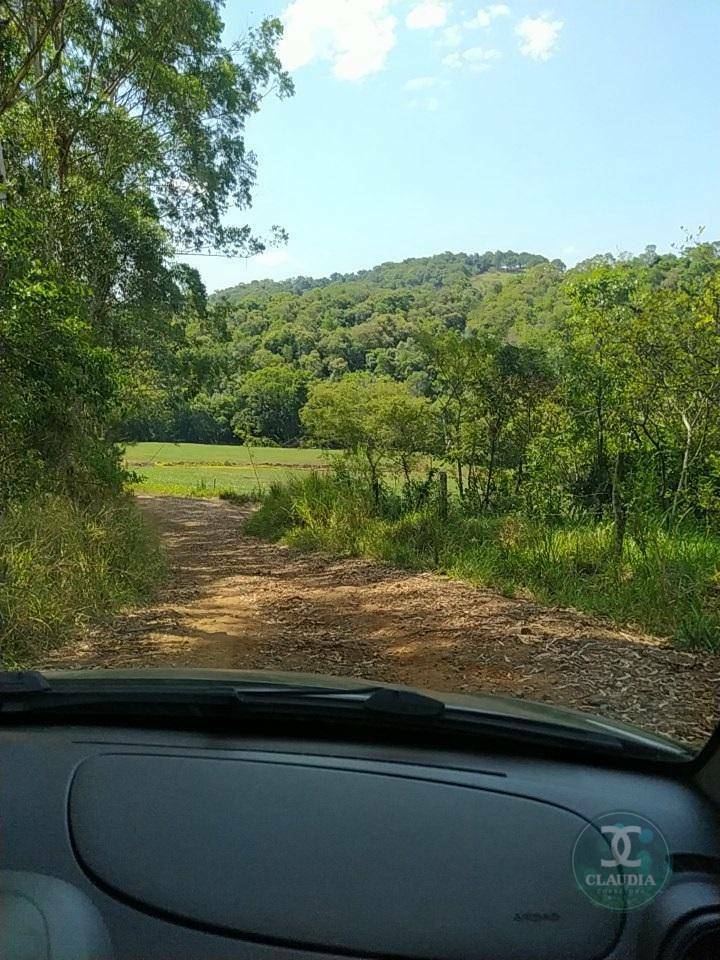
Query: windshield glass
x=368 y=338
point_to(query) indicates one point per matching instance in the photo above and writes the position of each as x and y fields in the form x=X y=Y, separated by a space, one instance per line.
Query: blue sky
x=420 y=126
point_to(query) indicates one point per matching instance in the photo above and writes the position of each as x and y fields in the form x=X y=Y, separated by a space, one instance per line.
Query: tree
x=57 y=387
x=270 y=400
x=122 y=127
x=375 y=418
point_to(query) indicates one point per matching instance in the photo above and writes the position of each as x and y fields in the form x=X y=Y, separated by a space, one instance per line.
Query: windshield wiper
x=28 y=691
x=29 y=694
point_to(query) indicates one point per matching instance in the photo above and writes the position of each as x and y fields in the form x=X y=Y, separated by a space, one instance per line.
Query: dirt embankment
x=232 y=601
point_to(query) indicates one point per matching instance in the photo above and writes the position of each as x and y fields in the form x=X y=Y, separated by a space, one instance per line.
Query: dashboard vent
x=698 y=939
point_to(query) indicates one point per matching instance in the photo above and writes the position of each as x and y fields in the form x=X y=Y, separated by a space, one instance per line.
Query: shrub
x=63 y=565
x=668 y=585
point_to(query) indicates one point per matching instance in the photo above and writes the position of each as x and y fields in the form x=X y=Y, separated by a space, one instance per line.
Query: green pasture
x=205 y=469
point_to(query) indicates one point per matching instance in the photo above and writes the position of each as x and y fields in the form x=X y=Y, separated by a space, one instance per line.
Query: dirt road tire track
x=233 y=601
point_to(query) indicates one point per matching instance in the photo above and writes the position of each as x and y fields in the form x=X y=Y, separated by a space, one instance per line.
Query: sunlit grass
x=63 y=565
x=203 y=470
x=221 y=454
x=670 y=587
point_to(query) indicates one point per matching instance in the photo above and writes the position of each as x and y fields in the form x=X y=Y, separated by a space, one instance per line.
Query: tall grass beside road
x=669 y=585
x=63 y=566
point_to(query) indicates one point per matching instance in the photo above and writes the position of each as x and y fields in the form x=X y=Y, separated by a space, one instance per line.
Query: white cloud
x=538 y=36
x=356 y=36
x=485 y=15
x=476 y=59
x=427 y=15
x=432 y=104
x=420 y=83
x=451 y=36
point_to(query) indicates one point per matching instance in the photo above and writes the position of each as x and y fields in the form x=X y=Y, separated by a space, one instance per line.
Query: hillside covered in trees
x=241 y=364
x=436 y=271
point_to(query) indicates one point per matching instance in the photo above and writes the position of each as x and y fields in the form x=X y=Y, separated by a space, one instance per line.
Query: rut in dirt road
x=232 y=601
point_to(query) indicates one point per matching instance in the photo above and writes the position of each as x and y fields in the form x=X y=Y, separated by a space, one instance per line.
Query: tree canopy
x=122 y=141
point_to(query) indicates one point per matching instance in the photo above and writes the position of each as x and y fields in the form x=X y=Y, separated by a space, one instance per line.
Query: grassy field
x=204 y=469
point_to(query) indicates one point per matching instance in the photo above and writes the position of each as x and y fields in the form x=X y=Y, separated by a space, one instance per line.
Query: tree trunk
x=491 y=469
x=519 y=476
x=3 y=178
x=618 y=505
x=443 y=494
x=682 y=480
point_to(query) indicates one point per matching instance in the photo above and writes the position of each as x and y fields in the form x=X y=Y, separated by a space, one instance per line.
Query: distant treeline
x=435 y=271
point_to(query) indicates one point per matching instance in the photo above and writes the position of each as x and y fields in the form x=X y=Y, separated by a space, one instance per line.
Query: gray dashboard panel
x=38 y=765
x=322 y=856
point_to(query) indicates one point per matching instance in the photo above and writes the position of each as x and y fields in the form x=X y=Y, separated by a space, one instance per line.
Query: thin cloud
x=476 y=59
x=355 y=36
x=420 y=83
x=539 y=36
x=427 y=15
x=451 y=36
x=431 y=104
x=485 y=15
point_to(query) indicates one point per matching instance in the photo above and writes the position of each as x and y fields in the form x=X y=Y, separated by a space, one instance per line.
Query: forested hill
x=436 y=271
x=242 y=366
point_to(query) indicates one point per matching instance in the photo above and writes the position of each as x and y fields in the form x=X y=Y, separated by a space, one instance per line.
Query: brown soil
x=232 y=601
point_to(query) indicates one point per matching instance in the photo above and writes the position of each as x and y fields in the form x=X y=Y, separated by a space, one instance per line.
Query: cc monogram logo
x=620 y=844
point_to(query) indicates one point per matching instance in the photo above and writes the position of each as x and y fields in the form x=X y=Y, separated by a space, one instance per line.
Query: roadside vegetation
x=121 y=143
x=65 y=565
x=580 y=467
x=668 y=588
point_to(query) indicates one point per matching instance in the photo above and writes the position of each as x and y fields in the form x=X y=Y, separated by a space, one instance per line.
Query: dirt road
x=236 y=602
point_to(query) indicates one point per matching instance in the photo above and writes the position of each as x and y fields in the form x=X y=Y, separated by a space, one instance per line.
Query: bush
x=669 y=587
x=232 y=496
x=63 y=565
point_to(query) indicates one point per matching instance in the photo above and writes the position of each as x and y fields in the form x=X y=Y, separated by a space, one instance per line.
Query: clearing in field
x=205 y=469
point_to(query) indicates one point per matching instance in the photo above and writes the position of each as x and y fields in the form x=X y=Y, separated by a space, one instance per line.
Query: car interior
x=283 y=832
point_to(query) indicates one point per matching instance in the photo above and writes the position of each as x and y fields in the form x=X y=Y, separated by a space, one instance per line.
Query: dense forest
x=546 y=388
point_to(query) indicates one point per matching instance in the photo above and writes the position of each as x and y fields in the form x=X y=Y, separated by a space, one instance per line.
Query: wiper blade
x=381 y=700
x=28 y=694
x=21 y=683
x=28 y=691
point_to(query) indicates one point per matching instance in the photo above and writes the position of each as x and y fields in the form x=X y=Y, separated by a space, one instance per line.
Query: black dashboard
x=162 y=843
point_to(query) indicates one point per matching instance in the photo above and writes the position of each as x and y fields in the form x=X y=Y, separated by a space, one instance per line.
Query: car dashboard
x=126 y=842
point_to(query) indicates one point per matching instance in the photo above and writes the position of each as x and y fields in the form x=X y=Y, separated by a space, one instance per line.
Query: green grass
x=221 y=454
x=63 y=566
x=671 y=589
x=204 y=470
